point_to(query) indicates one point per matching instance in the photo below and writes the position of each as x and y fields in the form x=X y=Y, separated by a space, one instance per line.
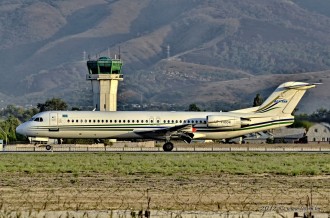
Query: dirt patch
x=91 y=191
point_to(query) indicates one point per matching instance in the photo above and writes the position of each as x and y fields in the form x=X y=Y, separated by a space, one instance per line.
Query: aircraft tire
x=168 y=146
x=48 y=147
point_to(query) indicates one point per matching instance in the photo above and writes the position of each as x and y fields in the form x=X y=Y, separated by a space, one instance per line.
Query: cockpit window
x=38 y=119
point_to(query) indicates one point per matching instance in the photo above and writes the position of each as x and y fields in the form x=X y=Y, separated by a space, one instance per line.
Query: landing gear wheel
x=48 y=147
x=168 y=146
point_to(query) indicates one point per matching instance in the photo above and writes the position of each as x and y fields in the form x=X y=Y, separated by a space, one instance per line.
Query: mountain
x=217 y=53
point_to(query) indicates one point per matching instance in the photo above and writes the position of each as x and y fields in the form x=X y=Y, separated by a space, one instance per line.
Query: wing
x=184 y=132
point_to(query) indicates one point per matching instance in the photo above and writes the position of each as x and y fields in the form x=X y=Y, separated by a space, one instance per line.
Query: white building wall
x=318 y=133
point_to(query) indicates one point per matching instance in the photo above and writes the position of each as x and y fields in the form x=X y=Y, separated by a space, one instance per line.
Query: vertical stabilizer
x=285 y=98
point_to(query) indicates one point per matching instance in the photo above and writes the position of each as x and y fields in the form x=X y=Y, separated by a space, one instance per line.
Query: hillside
x=216 y=53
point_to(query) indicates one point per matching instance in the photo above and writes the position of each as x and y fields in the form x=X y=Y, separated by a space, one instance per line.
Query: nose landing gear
x=48 y=147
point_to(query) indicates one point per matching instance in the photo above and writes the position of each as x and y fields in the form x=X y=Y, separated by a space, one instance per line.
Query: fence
x=74 y=148
x=228 y=196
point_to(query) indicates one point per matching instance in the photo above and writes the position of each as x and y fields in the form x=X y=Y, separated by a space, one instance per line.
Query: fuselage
x=130 y=124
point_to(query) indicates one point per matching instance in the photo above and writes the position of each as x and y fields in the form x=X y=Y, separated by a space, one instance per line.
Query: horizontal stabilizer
x=301 y=86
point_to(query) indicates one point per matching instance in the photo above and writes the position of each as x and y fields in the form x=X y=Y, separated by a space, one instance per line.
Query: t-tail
x=285 y=98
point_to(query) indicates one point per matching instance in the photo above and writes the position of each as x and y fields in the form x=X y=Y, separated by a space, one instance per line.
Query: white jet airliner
x=273 y=113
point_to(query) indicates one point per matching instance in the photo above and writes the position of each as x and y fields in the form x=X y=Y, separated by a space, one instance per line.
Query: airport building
x=319 y=132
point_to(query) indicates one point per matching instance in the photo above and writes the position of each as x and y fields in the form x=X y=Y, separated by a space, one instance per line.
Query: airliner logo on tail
x=271 y=105
x=281 y=100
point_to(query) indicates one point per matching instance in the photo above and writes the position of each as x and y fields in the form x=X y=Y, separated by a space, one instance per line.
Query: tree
x=9 y=127
x=19 y=112
x=321 y=115
x=55 y=104
x=193 y=107
x=257 y=100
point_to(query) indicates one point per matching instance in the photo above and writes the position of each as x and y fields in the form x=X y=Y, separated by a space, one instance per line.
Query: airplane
x=274 y=112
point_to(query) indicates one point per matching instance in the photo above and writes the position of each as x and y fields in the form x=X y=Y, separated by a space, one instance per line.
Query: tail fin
x=285 y=98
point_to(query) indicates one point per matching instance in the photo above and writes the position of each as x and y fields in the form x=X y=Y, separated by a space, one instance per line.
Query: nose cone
x=21 y=129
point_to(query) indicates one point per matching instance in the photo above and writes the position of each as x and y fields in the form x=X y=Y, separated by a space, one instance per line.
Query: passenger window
x=137 y=121
x=128 y=121
x=141 y=121
x=77 y=121
x=176 y=121
x=124 y=121
x=68 y=121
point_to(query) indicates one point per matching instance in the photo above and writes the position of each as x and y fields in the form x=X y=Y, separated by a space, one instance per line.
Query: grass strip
x=168 y=163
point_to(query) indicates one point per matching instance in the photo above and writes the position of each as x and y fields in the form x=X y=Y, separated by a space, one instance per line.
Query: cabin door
x=53 y=119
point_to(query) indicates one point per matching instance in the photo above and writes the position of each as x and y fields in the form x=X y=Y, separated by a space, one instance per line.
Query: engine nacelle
x=224 y=122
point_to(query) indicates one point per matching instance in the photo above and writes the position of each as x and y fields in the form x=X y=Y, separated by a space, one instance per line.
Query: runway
x=72 y=148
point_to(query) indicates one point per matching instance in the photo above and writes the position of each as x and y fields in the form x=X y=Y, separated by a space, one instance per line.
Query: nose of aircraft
x=21 y=130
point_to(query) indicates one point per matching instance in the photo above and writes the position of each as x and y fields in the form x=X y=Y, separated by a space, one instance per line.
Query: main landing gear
x=168 y=146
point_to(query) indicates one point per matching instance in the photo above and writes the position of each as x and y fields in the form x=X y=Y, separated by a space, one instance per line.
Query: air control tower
x=105 y=73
